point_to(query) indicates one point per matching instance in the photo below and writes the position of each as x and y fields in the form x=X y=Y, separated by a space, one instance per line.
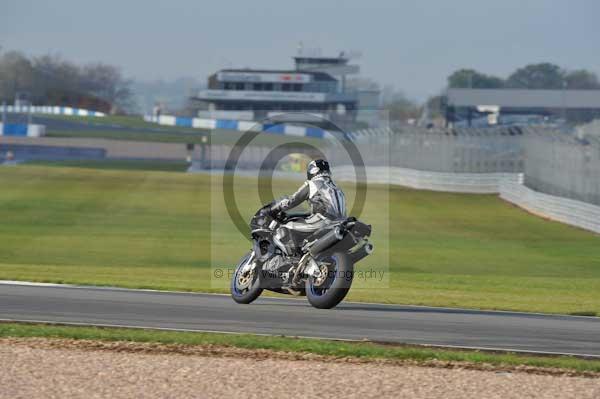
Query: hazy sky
x=412 y=44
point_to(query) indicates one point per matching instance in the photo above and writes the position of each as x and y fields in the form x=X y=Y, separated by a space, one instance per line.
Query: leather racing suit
x=327 y=203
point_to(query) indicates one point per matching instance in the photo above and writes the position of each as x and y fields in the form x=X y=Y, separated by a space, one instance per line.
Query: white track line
x=104 y=287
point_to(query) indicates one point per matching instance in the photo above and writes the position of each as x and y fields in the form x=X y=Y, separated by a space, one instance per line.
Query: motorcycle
x=287 y=260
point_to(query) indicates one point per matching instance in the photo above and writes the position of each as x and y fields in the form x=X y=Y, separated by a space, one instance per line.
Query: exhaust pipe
x=327 y=241
x=362 y=252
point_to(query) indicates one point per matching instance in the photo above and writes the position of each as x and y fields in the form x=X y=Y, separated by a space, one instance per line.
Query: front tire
x=327 y=292
x=245 y=287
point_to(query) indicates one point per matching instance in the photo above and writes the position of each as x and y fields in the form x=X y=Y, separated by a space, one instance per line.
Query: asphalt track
x=294 y=317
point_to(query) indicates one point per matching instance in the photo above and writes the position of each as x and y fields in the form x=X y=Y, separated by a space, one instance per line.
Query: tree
x=582 y=79
x=399 y=107
x=403 y=109
x=16 y=75
x=51 y=80
x=537 y=76
x=52 y=73
x=470 y=78
x=106 y=82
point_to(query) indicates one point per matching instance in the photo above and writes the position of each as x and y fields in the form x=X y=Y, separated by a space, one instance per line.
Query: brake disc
x=244 y=279
x=323 y=272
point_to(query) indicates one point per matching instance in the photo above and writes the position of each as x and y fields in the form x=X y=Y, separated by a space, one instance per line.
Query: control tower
x=338 y=67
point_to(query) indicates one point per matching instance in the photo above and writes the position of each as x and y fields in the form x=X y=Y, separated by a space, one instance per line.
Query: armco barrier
x=22 y=130
x=119 y=149
x=50 y=110
x=27 y=152
x=476 y=183
x=242 y=126
x=565 y=210
x=473 y=183
x=509 y=186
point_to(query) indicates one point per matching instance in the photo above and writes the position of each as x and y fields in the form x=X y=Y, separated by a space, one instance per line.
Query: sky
x=410 y=44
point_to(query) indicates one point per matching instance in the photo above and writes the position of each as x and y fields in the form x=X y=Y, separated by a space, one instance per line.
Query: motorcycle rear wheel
x=326 y=293
x=245 y=288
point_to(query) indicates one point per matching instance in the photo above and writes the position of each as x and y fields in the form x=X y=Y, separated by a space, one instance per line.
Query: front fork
x=250 y=265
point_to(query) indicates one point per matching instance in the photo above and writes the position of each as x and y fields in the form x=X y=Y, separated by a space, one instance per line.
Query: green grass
x=160 y=133
x=160 y=137
x=220 y=136
x=335 y=349
x=142 y=165
x=129 y=121
x=165 y=230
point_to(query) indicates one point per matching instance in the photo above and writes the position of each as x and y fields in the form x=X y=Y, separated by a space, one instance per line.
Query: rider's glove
x=274 y=209
x=279 y=206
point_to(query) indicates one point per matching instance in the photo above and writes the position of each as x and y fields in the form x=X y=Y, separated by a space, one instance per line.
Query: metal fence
x=556 y=163
x=562 y=165
x=496 y=150
x=475 y=183
x=457 y=160
x=553 y=162
x=565 y=210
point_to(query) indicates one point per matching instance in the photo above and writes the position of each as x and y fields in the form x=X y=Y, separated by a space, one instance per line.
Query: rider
x=327 y=202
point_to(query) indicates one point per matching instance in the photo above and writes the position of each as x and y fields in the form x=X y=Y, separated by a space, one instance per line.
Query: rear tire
x=245 y=293
x=327 y=294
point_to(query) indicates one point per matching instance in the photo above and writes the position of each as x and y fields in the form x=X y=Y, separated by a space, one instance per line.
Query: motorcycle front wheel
x=245 y=287
x=331 y=286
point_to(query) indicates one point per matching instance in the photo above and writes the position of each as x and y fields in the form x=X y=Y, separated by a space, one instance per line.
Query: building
x=468 y=105
x=317 y=86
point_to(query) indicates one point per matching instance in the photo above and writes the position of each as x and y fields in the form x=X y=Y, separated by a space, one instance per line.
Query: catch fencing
x=565 y=210
x=491 y=150
x=509 y=186
x=560 y=176
x=563 y=165
x=554 y=162
x=475 y=183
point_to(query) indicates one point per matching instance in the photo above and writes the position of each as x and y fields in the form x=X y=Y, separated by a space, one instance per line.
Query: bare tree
x=106 y=82
x=49 y=79
x=16 y=75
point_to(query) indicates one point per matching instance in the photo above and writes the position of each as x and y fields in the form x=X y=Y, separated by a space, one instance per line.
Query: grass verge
x=118 y=164
x=134 y=128
x=128 y=121
x=216 y=136
x=159 y=137
x=161 y=230
x=330 y=349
